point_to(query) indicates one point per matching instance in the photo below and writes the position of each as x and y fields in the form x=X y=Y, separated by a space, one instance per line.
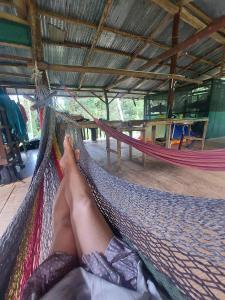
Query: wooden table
x=130 y=130
x=141 y=126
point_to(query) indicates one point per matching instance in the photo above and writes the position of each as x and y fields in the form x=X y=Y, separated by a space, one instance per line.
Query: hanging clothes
x=14 y=116
x=23 y=112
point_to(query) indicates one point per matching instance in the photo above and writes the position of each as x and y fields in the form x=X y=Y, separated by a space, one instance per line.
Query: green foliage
x=131 y=110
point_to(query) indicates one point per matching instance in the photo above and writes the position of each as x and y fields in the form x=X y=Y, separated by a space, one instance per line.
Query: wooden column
x=107 y=105
x=107 y=137
x=130 y=147
x=37 y=47
x=173 y=64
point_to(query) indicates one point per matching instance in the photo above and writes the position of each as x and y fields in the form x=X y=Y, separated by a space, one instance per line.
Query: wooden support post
x=144 y=155
x=153 y=134
x=130 y=147
x=168 y=136
x=108 y=149
x=107 y=105
x=175 y=33
x=119 y=154
x=204 y=134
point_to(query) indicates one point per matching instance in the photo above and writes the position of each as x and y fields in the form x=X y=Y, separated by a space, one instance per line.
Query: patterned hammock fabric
x=212 y=160
x=180 y=238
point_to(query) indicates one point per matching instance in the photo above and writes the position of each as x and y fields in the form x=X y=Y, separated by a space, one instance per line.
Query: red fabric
x=212 y=160
x=33 y=251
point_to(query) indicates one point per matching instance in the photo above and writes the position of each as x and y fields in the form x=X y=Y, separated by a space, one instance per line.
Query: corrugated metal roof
x=138 y=17
x=89 y=10
x=114 y=41
x=99 y=80
x=63 y=55
x=212 y=8
x=15 y=51
x=57 y=78
x=107 y=60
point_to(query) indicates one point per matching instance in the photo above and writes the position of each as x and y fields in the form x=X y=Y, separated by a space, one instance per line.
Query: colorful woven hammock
x=180 y=238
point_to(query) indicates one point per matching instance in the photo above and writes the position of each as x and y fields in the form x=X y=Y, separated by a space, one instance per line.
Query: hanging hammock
x=180 y=238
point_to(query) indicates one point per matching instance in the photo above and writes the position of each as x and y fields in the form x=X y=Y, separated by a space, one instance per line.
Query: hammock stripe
x=211 y=160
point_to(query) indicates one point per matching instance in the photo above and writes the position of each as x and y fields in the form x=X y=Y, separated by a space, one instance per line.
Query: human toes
x=77 y=154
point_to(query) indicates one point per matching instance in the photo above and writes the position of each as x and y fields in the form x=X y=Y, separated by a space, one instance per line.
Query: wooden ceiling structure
x=114 y=48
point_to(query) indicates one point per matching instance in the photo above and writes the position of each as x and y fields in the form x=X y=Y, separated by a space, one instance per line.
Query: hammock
x=211 y=160
x=180 y=238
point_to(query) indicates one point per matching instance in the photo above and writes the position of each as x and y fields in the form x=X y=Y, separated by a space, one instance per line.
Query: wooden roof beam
x=13 y=18
x=57 y=87
x=37 y=47
x=19 y=46
x=14 y=58
x=183 y=2
x=97 y=96
x=97 y=35
x=187 y=17
x=194 y=9
x=111 y=71
x=110 y=51
x=120 y=32
x=206 y=32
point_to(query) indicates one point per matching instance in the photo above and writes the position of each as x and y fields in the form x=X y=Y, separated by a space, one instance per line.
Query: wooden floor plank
x=161 y=175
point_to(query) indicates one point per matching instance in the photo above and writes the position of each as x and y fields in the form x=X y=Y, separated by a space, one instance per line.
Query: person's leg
x=93 y=232
x=63 y=237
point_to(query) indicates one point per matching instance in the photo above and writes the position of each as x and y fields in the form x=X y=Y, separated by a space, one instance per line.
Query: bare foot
x=70 y=157
x=77 y=190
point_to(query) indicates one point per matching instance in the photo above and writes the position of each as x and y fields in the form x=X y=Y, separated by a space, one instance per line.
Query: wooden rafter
x=21 y=7
x=13 y=18
x=115 y=52
x=158 y=85
x=19 y=46
x=111 y=71
x=194 y=9
x=120 y=32
x=7 y=57
x=186 y=43
x=183 y=2
x=99 y=97
x=187 y=17
x=57 y=87
x=37 y=47
x=206 y=32
x=96 y=37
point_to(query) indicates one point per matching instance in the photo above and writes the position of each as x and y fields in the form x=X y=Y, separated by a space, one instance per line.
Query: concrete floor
x=156 y=174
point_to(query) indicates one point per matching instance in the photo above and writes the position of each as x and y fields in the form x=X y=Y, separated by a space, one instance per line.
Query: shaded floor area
x=12 y=195
x=161 y=175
